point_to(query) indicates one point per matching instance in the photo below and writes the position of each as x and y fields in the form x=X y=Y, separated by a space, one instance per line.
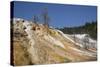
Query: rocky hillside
x=37 y=44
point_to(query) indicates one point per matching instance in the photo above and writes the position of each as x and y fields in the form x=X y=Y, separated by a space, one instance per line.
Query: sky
x=61 y=15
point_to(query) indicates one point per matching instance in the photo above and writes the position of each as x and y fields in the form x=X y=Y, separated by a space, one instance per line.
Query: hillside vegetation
x=89 y=28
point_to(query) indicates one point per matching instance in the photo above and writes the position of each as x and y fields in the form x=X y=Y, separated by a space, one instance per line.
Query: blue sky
x=60 y=15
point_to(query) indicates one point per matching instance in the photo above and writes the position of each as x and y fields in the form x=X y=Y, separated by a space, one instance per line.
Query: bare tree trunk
x=46 y=19
x=35 y=19
x=74 y=37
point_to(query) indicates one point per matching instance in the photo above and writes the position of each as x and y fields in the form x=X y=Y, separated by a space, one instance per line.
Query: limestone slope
x=37 y=44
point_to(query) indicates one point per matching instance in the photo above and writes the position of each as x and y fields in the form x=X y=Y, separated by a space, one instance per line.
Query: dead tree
x=74 y=37
x=35 y=19
x=46 y=17
x=86 y=42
